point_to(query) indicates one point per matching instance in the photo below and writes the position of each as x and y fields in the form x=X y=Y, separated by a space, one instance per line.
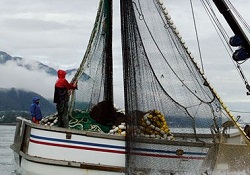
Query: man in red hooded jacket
x=61 y=97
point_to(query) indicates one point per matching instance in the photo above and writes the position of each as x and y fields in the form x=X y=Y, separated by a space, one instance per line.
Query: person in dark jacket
x=61 y=97
x=35 y=110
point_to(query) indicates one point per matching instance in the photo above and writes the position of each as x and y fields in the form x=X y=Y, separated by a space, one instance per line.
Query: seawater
x=6 y=155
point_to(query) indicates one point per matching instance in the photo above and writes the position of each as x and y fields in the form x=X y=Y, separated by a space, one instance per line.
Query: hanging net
x=165 y=91
x=93 y=100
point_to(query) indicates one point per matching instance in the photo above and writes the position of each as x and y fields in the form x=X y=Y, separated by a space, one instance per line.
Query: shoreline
x=8 y=124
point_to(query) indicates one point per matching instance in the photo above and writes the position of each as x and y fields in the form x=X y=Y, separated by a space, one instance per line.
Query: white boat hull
x=44 y=150
x=78 y=148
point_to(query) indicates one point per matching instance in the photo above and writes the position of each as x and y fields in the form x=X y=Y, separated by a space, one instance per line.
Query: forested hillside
x=14 y=102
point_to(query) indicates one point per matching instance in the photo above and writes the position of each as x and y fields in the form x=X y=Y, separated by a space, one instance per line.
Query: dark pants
x=62 y=110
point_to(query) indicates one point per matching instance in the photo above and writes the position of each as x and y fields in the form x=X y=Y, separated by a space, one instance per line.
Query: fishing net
x=83 y=121
x=94 y=75
x=160 y=75
x=91 y=76
x=93 y=99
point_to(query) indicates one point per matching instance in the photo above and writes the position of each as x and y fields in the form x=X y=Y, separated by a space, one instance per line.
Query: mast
x=108 y=87
x=236 y=28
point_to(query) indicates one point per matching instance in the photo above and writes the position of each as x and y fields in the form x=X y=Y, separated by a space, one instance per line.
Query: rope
x=219 y=28
x=240 y=111
x=193 y=93
x=238 y=15
x=196 y=33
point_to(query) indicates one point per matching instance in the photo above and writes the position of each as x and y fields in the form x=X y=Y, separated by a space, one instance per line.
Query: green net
x=83 y=121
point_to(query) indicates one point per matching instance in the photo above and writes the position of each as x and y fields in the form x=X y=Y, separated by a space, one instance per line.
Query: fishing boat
x=173 y=122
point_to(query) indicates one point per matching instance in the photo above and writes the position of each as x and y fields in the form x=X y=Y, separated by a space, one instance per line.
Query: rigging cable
x=139 y=11
x=196 y=33
x=247 y=86
x=238 y=15
x=248 y=28
x=215 y=21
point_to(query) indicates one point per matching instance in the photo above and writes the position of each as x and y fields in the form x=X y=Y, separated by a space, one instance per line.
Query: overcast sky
x=56 y=33
x=53 y=32
x=219 y=68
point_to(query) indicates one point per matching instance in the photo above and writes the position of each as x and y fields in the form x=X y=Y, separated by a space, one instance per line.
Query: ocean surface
x=6 y=156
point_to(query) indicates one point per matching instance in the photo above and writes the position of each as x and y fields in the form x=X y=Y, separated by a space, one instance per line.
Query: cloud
x=219 y=67
x=21 y=78
x=53 y=31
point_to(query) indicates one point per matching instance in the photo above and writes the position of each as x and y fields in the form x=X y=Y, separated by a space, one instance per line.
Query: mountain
x=4 y=57
x=16 y=102
x=22 y=79
x=20 y=100
x=30 y=65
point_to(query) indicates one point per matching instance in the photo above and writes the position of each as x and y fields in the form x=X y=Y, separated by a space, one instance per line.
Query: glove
x=75 y=85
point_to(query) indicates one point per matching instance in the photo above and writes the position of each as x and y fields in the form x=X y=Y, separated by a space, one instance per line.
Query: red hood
x=61 y=73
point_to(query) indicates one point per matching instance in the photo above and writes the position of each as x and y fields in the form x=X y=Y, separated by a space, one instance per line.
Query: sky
x=56 y=33
x=218 y=65
x=53 y=32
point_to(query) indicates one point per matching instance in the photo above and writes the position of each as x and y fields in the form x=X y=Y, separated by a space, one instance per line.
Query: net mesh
x=94 y=75
x=90 y=75
x=161 y=80
x=160 y=74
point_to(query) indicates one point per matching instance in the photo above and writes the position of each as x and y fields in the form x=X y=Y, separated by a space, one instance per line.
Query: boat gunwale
x=122 y=138
x=71 y=131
